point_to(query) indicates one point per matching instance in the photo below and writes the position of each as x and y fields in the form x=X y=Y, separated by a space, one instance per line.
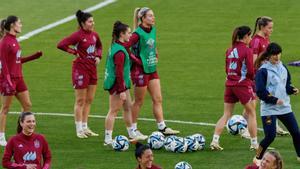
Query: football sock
x=2 y=134
x=84 y=125
x=78 y=126
x=108 y=135
x=161 y=125
x=134 y=126
x=254 y=140
x=216 y=138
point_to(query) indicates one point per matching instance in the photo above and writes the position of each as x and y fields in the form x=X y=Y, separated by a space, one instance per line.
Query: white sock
x=161 y=125
x=78 y=126
x=2 y=135
x=108 y=135
x=84 y=125
x=254 y=140
x=134 y=126
x=216 y=138
x=130 y=131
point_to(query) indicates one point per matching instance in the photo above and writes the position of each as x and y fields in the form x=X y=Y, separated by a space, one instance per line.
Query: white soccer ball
x=193 y=144
x=179 y=145
x=120 y=143
x=183 y=165
x=170 y=143
x=156 y=140
x=200 y=139
x=235 y=124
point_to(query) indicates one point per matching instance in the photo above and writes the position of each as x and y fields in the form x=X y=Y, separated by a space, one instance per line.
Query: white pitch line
x=62 y=21
x=142 y=119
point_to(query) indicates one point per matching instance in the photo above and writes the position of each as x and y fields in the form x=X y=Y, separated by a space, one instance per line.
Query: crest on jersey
x=37 y=144
x=150 y=43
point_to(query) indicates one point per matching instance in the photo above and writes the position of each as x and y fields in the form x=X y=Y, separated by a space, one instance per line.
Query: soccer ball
x=120 y=143
x=183 y=165
x=192 y=143
x=201 y=140
x=179 y=145
x=235 y=124
x=156 y=140
x=169 y=143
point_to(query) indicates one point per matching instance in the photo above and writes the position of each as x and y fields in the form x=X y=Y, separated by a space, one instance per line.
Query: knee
x=27 y=106
x=5 y=109
x=139 y=102
x=89 y=101
x=157 y=100
x=80 y=102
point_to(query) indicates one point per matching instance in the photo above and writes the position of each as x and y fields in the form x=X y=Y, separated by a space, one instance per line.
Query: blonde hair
x=261 y=21
x=138 y=14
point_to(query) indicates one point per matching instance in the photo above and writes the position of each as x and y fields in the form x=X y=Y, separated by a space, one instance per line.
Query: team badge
x=150 y=43
x=37 y=144
x=269 y=120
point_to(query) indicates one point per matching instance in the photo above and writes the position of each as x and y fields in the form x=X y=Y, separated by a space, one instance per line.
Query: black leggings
x=269 y=124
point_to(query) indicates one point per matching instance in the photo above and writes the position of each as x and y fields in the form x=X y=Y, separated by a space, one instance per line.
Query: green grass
x=192 y=39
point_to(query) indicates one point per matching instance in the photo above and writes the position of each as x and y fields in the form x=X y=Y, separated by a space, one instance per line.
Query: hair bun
x=138 y=145
x=79 y=13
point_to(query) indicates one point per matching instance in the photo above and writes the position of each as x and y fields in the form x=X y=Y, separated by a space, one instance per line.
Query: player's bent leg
x=6 y=102
x=80 y=97
x=24 y=99
x=91 y=90
x=228 y=109
x=115 y=104
x=154 y=89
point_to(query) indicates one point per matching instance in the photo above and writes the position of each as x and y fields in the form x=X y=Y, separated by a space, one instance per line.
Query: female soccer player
x=28 y=149
x=86 y=46
x=143 y=72
x=117 y=82
x=144 y=157
x=273 y=87
x=239 y=80
x=271 y=160
x=11 y=76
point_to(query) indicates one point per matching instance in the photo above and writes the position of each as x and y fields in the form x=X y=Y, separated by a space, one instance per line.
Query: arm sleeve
x=119 y=63
x=135 y=59
x=132 y=41
x=46 y=154
x=98 y=47
x=261 y=91
x=289 y=88
x=67 y=42
x=250 y=65
x=8 y=154
x=31 y=57
x=255 y=46
x=4 y=67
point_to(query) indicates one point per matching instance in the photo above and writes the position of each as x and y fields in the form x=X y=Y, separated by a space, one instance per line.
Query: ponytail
x=272 y=49
x=2 y=30
x=260 y=22
x=257 y=19
x=82 y=17
x=136 y=19
x=21 y=120
x=239 y=33
x=118 y=28
x=6 y=24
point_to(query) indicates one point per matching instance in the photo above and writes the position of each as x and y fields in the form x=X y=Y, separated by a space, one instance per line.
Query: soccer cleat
x=108 y=143
x=169 y=131
x=3 y=141
x=138 y=133
x=81 y=134
x=254 y=147
x=256 y=161
x=281 y=132
x=137 y=137
x=89 y=132
x=245 y=133
x=215 y=146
